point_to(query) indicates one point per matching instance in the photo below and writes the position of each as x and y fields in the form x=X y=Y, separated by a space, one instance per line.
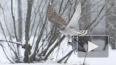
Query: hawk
x=67 y=29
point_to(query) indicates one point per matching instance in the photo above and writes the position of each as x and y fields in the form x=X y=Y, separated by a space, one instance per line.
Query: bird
x=76 y=47
x=68 y=29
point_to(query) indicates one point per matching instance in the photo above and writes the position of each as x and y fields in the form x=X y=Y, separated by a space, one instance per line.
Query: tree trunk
x=27 y=27
x=19 y=25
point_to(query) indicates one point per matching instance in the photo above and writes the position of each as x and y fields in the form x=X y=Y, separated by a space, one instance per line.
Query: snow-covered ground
x=97 y=61
x=74 y=60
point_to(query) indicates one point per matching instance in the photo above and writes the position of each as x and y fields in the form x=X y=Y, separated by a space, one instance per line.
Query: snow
x=39 y=64
x=74 y=60
x=97 y=61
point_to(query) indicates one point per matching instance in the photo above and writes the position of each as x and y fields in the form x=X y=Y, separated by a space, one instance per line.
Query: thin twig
x=18 y=43
x=6 y=24
x=102 y=17
x=5 y=53
x=59 y=61
x=14 y=22
x=6 y=39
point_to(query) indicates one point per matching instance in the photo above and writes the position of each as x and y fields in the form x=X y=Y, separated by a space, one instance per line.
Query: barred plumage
x=84 y=32
x=74 y=45
x=68 y=29
x=78 y=41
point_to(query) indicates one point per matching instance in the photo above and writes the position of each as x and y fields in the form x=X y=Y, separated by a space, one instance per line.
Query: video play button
x=91 y=46
x=97 y=43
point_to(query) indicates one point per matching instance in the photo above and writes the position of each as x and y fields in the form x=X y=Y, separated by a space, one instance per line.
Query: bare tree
x=110 y=19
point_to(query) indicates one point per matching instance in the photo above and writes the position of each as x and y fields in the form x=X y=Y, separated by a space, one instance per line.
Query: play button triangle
x=91 y=46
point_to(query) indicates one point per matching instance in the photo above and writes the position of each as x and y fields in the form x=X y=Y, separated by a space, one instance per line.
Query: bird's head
x=74 y=38
x=50 y=11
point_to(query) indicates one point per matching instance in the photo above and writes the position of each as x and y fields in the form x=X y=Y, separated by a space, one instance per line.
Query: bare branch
x=59 y=61
x=6 y=53
x=14 y=22
x=18 y=43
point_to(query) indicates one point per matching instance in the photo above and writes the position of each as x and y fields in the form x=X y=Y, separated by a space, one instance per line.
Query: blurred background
x=27 y=36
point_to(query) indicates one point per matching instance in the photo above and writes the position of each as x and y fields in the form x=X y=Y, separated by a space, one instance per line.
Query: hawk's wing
x=56 y=18
x=74 y=21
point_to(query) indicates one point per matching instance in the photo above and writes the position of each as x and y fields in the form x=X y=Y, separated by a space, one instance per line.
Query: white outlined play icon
x=91 y=46
x=95 y=46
